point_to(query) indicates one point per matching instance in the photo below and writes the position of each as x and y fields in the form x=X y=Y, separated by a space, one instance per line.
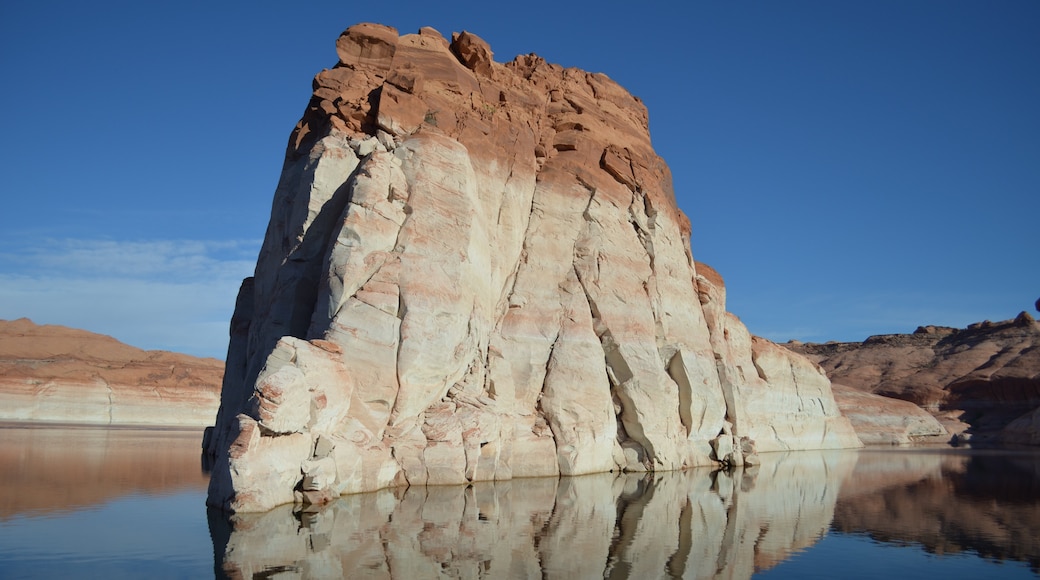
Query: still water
x=95 y=503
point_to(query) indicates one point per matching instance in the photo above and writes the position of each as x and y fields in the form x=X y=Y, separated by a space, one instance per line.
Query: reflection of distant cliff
x=981 y=382
x=694 y=524
x=984 y=502
x=54 y=469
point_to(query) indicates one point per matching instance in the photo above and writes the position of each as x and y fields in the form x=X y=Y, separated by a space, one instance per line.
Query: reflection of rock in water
x=56 y=469
x=948 y=503
x=694 y=524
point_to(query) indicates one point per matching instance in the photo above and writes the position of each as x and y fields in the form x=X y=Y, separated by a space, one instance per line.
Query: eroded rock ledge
x=477 y=271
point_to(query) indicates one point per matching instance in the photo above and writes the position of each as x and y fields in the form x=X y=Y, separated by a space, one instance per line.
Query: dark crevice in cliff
x=504 y=302
x=313 y=126
x=618 y=373
x=643 y=234
x=300 y=266
x=758 y=369
x=370 y=123
x=677 y=373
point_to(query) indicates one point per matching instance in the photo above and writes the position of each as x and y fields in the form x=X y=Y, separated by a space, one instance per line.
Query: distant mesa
x=477 y=271
x=64 y=375
x=981 y=383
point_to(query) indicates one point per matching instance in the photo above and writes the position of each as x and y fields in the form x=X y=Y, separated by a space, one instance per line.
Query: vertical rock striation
x=477 y=271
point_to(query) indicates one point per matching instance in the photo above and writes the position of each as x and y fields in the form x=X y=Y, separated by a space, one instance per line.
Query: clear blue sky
x=850 y=168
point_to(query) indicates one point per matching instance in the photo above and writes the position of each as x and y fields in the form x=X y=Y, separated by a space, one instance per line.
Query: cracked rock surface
x=477 y=271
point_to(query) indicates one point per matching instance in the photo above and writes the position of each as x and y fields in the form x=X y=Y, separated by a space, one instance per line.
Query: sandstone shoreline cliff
x=981 y=383
x=55 y=374
x=477 y=271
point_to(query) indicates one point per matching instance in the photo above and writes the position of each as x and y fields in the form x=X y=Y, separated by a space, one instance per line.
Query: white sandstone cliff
x=477 y=271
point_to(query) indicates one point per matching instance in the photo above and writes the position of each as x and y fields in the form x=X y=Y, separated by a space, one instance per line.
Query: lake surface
x=97 y=503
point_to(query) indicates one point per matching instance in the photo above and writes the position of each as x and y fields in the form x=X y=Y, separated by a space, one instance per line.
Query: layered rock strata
x=882 y=420
x=477 y=271
x=981 y=382
x=52 y=373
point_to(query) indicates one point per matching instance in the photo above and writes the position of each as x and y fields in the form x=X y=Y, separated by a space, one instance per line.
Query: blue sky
x=850 y=168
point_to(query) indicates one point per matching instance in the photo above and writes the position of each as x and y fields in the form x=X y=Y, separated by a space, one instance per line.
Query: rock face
x=477 y=271
x=58 y=374
x=886 y=421
x=982 y=382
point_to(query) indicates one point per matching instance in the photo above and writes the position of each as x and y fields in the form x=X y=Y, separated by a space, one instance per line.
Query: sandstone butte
x=65 y=375
x=980 y=383
x=478 y=271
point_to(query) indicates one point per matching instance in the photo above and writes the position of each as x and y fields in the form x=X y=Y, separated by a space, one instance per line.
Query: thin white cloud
x=157 y=294
x=147 y=259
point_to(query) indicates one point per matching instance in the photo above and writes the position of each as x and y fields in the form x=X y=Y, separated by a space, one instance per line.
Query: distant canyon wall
x=54 y=374
x=477 y=271
x=982 y=383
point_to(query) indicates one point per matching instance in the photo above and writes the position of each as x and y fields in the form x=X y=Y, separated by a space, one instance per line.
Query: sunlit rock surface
x=882 y=420
x=982 y=382
x=56 y=374
x=692 y=524
x=477 y=271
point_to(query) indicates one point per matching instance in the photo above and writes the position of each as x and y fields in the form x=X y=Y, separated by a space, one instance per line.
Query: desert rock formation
x=981 y=382
x=882 y=420
x=57 y=374
x=477 y=271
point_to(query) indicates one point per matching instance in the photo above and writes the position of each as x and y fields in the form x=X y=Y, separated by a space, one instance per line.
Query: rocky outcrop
x=886 y=421
x=57 y=374
x=477 y=271
x=981 y=382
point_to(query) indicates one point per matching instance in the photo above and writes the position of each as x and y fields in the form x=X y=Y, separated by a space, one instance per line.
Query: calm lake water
x=96 y=503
